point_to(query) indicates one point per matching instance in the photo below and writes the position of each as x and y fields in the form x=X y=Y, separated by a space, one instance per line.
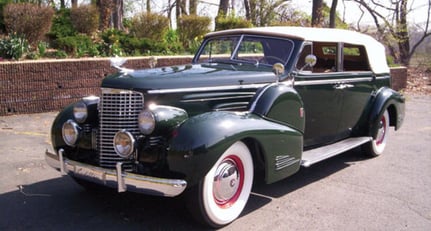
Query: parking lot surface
x=347 y=192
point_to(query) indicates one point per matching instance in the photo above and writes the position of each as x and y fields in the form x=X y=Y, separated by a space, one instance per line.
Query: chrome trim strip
x=332 y=81
x=284 y=161
x=116 y=178
x=204 y=89
x=216 y=98
x=256 y=86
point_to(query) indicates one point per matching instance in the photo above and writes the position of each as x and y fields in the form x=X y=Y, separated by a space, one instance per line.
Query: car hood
x=189 y=76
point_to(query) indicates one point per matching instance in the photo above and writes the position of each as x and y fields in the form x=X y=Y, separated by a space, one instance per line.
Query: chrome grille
x=118 y=109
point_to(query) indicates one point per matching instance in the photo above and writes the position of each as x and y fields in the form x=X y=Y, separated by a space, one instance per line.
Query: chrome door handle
x=342 y=86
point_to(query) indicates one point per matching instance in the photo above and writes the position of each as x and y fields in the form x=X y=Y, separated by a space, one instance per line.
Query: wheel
x=377 y=145
x=223 y=193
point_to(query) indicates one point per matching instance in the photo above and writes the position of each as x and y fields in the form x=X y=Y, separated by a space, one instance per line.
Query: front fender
x=56 y=128
x=387 y=99
x=201 y=140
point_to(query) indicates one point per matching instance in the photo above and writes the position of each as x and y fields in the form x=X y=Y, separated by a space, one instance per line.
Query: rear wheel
x=378 y=144
x=223 y=193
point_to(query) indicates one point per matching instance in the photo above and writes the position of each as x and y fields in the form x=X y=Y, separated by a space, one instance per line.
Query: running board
x=313 y=156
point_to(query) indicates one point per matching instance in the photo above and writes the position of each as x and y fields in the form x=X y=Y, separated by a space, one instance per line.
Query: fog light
x=70 y=132
x=124 y=143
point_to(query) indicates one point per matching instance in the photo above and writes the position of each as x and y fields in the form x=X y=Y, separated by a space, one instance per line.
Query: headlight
x=80 y=111
x=86 y=109
x=146 y=122
x=70 y=132
x=124 y=143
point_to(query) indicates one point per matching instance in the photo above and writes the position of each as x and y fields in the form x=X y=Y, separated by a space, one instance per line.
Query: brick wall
x=41 y=86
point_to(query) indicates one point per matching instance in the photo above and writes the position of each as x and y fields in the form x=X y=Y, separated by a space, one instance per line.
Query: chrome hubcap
x=226 y=182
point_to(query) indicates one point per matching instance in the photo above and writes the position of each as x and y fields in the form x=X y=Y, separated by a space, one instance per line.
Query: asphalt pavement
x=347 y=192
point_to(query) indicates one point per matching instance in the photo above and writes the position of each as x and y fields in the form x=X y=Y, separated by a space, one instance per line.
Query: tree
x=111 y=14
x=393 y=26
x=317 y=13
x=262 y=12
x=333 y=13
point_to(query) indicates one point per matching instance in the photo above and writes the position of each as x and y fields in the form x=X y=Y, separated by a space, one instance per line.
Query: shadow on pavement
x=60 y=204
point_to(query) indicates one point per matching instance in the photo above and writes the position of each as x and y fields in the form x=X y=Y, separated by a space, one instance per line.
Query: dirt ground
x=418 y=81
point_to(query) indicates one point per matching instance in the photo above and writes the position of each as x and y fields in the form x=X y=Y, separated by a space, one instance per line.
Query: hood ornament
x=117 y=63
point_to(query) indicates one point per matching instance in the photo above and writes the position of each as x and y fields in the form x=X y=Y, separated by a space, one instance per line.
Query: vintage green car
x=255 y=103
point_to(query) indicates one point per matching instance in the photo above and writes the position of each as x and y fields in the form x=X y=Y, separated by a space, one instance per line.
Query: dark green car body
x=201 y=109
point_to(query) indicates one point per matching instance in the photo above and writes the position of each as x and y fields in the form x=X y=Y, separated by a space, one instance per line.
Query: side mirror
x=278 y=70
x=310 y=61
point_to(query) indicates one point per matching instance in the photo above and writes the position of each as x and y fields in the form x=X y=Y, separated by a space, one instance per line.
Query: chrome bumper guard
x=116 y=178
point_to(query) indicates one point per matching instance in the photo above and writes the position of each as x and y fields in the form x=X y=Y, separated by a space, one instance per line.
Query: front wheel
x=223 y=193
x=378 y=144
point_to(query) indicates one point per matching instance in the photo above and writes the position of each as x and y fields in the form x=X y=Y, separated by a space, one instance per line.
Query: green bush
x=149 y=25
x=85 y=19
x=231 y=22
x=110 y=44
x=13 y=47
x=29 y=20
x=62 y=25
x=192 y=28
x=78 y=45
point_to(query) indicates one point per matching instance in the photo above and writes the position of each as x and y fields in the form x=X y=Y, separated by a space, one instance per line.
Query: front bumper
x=116 y=178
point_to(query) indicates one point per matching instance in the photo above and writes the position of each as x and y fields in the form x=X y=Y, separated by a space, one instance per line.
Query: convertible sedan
x=254 y=104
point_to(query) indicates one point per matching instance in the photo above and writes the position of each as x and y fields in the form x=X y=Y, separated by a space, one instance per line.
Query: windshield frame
x=241 y=38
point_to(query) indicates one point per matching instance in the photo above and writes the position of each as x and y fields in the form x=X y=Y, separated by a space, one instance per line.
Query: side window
x=301 y=65
x=326 y=54
x=355 y=58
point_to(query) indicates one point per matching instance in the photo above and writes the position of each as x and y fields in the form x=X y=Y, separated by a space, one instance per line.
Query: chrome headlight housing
x=124 y=143
x=85 y=107
x=146 y=122
x=80 y=112
x=70 y=132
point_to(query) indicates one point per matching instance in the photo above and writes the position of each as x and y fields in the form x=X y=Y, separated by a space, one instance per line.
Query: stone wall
x=41 y=86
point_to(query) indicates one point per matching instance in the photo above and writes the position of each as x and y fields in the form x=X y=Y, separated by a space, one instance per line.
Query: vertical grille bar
x=118 y=109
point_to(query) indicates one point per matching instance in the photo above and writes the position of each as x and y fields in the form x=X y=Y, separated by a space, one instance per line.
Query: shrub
x=62 y=25
x=13 y=47
x=85 y=19
x=78 y=45
x=29 y=20
x=110 y=45
x=191 y=28
x=149 y=25
x=231 y=22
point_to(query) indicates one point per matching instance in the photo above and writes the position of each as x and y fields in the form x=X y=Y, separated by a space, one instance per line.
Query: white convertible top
x=375 y=50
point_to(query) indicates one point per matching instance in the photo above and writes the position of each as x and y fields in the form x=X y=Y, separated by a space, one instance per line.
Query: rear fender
x=201 y=140
x=387 y=99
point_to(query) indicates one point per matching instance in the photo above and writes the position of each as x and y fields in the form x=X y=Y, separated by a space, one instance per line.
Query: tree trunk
x=148 y=6
x=247 y=10
x=403 y=33
x=74 y=3
x=193 y=7
x=317 y=14
x=223 y=8
x=333 y=14
x=117 y=16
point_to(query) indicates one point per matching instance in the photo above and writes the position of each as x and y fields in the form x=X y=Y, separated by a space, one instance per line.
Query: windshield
x=257 y=50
